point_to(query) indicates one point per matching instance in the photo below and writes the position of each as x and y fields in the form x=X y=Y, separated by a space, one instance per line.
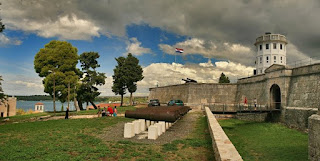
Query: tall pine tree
x=119 y=78
x=134 y=74
x=88 y=90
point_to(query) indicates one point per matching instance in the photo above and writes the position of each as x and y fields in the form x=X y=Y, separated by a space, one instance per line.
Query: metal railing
x=303 y=62
x=225 y=108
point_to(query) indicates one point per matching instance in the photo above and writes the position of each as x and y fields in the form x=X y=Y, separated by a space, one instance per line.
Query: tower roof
x=39 y=103
x=268 y=37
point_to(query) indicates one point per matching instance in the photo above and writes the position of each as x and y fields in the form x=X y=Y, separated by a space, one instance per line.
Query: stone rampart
x=297 y=117
x=222 y=146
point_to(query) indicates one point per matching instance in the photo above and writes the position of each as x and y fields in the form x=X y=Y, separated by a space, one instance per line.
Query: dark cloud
x=230 y=21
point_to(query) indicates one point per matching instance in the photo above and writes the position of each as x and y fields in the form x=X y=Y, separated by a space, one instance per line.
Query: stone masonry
x=295 y=91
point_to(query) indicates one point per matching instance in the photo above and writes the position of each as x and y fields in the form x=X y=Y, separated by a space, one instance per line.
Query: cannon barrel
x=162 y=113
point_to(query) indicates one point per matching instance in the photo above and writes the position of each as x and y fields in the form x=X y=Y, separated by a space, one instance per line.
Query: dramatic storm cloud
x=231 y=21
x=218 y=30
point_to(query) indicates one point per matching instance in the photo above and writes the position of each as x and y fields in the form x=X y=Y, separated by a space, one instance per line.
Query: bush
x=23 y=112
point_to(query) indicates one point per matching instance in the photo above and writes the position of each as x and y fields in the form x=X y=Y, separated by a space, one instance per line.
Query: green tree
x=1 y=25
x=224 y=79
x=56 y=61
x=133 y=74
x=88 y=90
x=119 y=78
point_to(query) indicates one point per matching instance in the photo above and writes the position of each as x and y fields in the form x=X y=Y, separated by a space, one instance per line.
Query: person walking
x=67 y=113
x=115 y=111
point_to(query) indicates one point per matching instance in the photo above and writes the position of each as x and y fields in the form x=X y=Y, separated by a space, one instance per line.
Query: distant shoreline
x=98 y=99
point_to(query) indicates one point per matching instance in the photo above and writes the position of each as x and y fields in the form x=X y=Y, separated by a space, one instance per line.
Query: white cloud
x=28 y=84
x=4 y=40
x=233 y=52
x=22 y=85
x=134 y=47
x=167 y=74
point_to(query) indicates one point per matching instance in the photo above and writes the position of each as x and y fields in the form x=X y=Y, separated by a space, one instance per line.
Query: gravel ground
x=180 y=130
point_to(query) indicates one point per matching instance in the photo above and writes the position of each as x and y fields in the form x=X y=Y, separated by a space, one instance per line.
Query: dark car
x=175 y=103
x=154 y=102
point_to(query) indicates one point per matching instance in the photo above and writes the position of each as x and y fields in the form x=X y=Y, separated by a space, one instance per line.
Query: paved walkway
x=45 y=118
x=180 y=130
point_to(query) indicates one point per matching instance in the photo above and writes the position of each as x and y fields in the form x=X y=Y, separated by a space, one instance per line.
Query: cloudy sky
x=217 y=36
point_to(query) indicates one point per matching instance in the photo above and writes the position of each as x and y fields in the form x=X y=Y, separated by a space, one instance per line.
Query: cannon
x=162 y=113
x=188 y=80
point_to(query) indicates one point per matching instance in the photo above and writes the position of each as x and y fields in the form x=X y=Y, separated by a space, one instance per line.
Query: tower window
x=274 y=46
x=267 y=59
x=275 y=59
x=281 y=46
x=267 y=46
x=260 y=47
x=281 y=59
x=260 y=60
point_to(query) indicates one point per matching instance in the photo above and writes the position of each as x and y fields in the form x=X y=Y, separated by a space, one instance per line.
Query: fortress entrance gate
x=275 y=97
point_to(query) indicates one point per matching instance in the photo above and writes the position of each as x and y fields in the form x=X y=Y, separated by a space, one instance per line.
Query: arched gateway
x=275 y=97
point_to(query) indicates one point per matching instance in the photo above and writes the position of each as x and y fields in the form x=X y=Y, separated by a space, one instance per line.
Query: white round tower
x=271 y=49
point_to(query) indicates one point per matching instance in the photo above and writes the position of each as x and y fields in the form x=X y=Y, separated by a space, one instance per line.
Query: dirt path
x=181 y=129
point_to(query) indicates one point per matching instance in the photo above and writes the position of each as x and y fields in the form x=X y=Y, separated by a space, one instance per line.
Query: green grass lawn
x=78 y=139
x=266 y=141
x=55 y=139
x=30 y=117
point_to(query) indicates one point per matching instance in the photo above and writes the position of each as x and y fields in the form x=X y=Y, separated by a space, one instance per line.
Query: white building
x=271 y=49
x=39 y=107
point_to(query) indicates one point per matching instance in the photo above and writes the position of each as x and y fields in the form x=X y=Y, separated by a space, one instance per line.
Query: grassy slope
x=266 y=141
x=55 y=140
x=77 y=140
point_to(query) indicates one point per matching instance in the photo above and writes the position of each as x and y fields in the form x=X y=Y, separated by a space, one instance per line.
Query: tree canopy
x=57 y=63
x=87 y=90
x=134 y=74
x=126 y=75
x=223 y=79
x=119 y=78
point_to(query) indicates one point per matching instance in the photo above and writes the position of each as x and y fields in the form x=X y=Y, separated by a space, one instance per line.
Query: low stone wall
x=297 y=117
x=257 y=117
x=222 y=146
x=260 y=117
x=314 y=138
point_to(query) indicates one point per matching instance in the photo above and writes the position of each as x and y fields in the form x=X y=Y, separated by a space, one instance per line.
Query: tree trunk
x=87 y=106
x=68 y=96
x=130 y=99
x=76 y=104
x=121 y=100
x=80 y=105
x=94 y=105
x=54 y=94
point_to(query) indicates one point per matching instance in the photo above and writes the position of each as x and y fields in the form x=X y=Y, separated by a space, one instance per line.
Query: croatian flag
x=178 y=50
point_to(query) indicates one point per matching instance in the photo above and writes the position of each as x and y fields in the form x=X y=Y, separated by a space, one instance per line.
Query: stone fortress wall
x=10 y=103
x=299 y=92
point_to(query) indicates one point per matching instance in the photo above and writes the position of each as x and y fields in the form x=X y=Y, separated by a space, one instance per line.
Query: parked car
x=154 y=102
x=175 y=103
